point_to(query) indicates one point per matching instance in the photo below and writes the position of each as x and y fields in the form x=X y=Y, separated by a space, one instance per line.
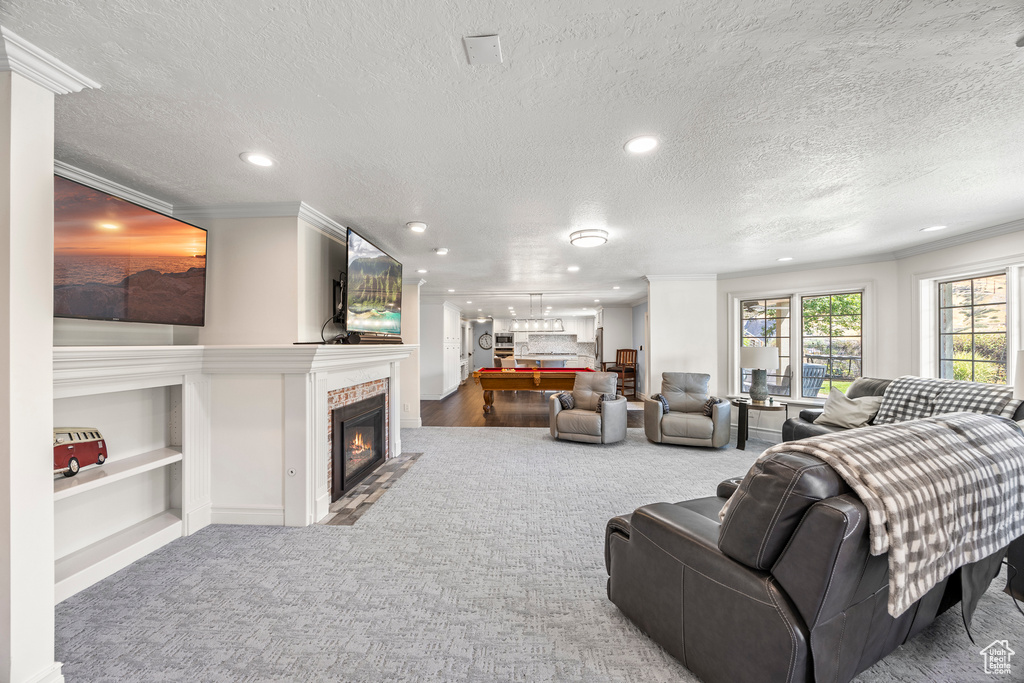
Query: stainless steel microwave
x=503 y=339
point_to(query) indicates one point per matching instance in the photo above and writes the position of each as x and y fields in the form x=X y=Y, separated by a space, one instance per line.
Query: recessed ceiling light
x=785 y=258
x=642 y=144
x=573 y=269
x=441 y=251
x=589 y=238
x=256 y=159
x=479 y=309
x=451 y=290
x=416 y=226
x=933 y=228
x=422 y=270
x=511 y=308
x=469 y=302
x=597 y=301
x=616 y=287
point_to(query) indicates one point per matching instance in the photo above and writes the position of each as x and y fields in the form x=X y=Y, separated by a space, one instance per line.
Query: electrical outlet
x=405 y=407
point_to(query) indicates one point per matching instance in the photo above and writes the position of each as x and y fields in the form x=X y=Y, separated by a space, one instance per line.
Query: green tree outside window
x=972 y=329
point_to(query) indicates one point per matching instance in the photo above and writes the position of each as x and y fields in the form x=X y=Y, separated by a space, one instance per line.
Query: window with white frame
x=831 y=342
x=819 y=337
x=765 y=322
x=972 y=328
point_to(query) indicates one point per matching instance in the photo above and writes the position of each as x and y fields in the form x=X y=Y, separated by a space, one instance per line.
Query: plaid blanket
x=911 y=398
x=940 y=492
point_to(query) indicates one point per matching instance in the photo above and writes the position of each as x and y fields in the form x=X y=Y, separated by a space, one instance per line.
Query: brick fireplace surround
x=346 y=397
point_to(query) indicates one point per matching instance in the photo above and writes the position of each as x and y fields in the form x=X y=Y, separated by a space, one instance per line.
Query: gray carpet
x=483 y=563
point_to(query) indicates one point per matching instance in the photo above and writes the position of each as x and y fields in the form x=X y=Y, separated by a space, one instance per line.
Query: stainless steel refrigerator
x=598 y=347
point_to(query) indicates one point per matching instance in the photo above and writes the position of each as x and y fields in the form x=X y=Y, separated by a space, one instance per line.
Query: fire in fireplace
x=357 y=439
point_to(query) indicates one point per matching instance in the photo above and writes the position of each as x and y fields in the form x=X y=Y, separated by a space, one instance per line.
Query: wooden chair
x=625 y=367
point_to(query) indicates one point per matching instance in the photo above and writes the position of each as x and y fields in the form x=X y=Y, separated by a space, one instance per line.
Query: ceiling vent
x=483 y=49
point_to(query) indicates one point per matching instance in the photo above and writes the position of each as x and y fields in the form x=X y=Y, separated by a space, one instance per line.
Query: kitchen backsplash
x=555 y=343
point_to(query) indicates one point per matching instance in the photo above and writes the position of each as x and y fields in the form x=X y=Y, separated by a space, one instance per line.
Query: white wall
x=409 y=370
x=321 y=257
x=431 y=350
x=248 y=449
x=252 y=281
x=618 y=331
x=684 y=330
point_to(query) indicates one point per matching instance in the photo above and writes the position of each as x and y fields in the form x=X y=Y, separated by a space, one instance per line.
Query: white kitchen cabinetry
x=452 y=348
x=569 y=326
x=585 y=330
x=151 y=404
x=501 y=325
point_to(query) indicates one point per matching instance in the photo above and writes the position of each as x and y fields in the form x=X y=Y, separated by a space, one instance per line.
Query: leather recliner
x=685 y=423
x=783 y=590
x=583 y=422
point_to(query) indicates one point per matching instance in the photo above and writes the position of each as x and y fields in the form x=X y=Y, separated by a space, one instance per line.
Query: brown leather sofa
x=784 y=590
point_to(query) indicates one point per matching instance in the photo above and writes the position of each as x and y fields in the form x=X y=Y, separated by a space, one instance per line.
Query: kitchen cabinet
x=585 y=330
x=570 y=325
x=501 y=324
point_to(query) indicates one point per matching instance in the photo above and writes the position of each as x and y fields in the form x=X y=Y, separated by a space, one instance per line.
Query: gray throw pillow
x=567 y=401
x=602 y=398
x=709 y=405
x=840 y=411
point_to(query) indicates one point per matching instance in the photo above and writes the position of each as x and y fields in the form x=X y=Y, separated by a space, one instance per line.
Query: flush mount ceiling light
x=256 y=159
x=441 y=251
x=641 y=145
x=416 y=226
x=589 y=238
x=933 y=228
x=785 y=258
x=573 y=269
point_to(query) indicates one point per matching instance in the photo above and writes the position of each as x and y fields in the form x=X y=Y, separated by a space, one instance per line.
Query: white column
x=409 y=374
x=683 y=316
x=196 y=485
x=28 y=81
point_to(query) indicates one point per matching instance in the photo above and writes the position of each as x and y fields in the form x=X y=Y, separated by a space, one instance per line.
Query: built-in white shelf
x=85 y=567
x=114 y=470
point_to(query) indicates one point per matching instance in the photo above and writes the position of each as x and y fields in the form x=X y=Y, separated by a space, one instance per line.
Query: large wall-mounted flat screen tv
x=115 y=260
x=373 y=290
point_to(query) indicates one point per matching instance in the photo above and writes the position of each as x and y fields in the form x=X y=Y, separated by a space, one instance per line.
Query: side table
x=743 y=419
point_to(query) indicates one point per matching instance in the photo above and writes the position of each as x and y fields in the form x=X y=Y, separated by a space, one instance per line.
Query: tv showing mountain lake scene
x=114 y=260
x=373 y=293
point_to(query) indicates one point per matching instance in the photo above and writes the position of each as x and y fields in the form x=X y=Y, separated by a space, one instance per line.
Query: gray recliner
x=686 y=424
x=583 y=422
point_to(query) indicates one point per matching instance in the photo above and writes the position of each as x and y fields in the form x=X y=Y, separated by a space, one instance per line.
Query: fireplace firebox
x=357 y=442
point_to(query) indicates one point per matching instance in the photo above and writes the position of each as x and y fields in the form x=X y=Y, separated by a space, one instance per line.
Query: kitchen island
x=549 y=360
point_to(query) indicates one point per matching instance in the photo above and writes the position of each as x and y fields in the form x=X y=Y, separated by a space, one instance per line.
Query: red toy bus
x=76 y=447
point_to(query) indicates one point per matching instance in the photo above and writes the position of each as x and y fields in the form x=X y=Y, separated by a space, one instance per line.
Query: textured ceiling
x=817 y=130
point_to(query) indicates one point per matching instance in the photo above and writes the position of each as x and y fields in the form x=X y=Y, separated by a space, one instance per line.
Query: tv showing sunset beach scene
x=115 y=260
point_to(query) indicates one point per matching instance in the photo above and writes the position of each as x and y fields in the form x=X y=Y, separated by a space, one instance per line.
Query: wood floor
x=465 y=408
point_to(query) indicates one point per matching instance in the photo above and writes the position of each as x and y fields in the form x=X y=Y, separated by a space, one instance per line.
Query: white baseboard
x=198 y=518
x=266 y=515
x=50 y=674
x=411 y=422
x=322 y=506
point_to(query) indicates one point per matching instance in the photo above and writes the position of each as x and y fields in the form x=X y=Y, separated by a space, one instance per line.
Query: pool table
x=520 y=379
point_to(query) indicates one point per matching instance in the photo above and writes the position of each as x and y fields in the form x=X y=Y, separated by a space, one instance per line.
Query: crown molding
x=965 y=238
x=251 y=210
x=816 y=265
x=110 y=187
x=322 y=222
x=25 y=59
x=681 y=278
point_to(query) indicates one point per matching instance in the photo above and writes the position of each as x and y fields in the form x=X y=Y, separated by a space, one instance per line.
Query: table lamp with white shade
x=759 y=359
